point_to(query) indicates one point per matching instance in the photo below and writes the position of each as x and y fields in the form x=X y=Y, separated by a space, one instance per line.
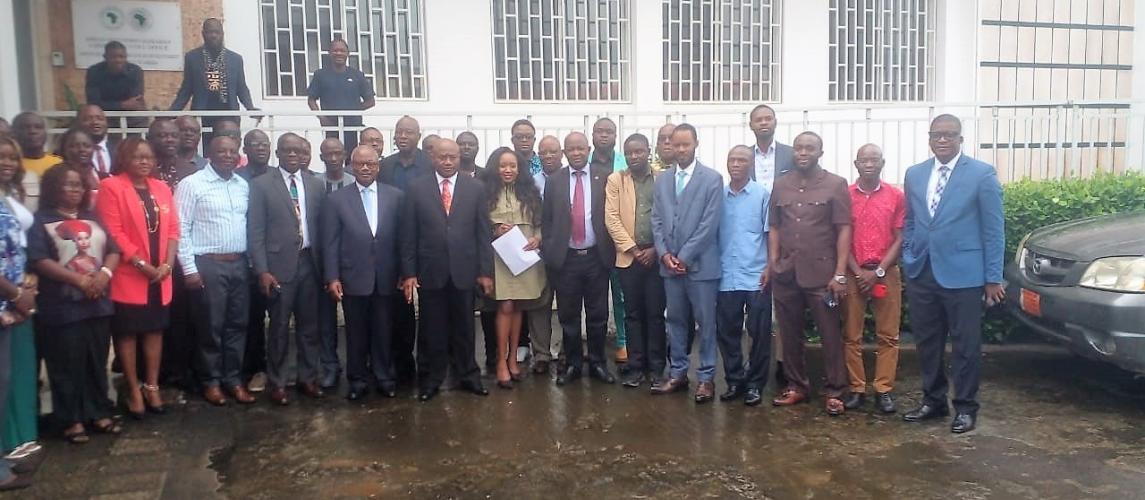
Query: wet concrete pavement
x=1052 y=426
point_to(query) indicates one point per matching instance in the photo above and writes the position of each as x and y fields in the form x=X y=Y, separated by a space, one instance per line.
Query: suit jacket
x=965 y=240
x=688 y=226
x=557 y=218
x=273 y=235
x=121 y=212
x=194 y=86
x=439 y=248
x=784 y=161
x=365 y=263
x=620 y=214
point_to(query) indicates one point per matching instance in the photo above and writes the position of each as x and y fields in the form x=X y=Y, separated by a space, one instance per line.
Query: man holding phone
x=743 y=256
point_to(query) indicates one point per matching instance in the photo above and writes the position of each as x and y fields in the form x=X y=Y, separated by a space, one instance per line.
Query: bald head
x=407 y=133
x=869 y=163
x=576 y=150
x=664 y=143
x=446 y=157
x=549 y=150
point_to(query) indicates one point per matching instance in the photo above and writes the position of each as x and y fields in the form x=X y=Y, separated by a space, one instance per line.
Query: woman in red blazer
x=139 y=214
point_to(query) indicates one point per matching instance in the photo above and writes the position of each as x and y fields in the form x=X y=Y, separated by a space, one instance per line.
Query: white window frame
x=875 y=47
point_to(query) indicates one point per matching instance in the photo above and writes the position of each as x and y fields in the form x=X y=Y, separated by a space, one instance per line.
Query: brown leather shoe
x=705 y=391
x=541 y=367
x=835 y=407
x=789 y=397
x=214 y=396
x=671 y=385
x=241 y=395
x=277 y=396
x=311 y=390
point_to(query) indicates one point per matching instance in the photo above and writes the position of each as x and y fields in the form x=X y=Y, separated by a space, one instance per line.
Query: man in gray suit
x=772 y=159
x=685 y=227
x=283 y=236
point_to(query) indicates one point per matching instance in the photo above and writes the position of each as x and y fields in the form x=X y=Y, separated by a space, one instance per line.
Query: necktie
x=578 y=232
x=943 y=176
x=297 y=208
x=446 y=196
x=99 y=163
x=371 y=209
x=680 y=176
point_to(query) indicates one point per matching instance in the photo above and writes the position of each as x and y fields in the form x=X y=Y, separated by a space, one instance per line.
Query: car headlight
x=1119 y=274
x=1020 y=255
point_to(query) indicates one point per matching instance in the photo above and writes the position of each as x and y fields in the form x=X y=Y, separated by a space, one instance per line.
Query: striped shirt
x=212 y=216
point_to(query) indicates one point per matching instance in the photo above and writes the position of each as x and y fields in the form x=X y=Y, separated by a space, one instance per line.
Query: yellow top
x=41 y=164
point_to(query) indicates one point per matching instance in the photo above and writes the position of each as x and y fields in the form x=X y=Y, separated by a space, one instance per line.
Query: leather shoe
x=568 y=376
x=330 y=380
x=671 y=385
x=854 y=400
x=475 y=387
x=705 y=391
x=602 y=374
x=241 y=395
x=355 y=394
x=753 y=397
x=278 y=396
x=541 y=367
x=633 y=379
x=311 y=390
x=963 y=422
x=884 y=402
x=214 y=396
x=926 y=412
x=388 y=391
x=835 y=407
x=734 y=392
x=788 y=398
x=427 y=394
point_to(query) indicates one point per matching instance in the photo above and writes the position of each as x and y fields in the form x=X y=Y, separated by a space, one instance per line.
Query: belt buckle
x=580 y=251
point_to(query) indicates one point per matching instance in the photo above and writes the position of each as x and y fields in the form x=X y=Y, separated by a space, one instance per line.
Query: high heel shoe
x=158 y=409
x=505 y=384
x=126 y=404
x=516 y=377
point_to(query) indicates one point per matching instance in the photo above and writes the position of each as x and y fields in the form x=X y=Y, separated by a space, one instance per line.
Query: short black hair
x=687 y=127
x=523 y=121
x=759 y=107
x=340 y=40
x=114 y=45
x=52 y=183
x=812 y=134
x=637 y=137
x=947 y=117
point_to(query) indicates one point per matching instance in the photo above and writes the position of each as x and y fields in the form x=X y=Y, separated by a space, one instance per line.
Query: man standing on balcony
x=605 y=156
x=115 y=84
x=342 y=88
x=400 y=170
x=877 y=213
x=953 y=246
x=213 y=78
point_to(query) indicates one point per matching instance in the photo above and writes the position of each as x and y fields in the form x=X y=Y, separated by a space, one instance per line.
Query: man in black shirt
x=340 y=87
x=115 y=84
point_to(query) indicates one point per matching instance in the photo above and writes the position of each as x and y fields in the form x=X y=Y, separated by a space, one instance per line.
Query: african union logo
x=112 y=18
x=140 y=19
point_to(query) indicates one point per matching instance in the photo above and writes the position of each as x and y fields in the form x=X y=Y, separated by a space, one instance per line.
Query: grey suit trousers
x=298 y=298
x=226 y=298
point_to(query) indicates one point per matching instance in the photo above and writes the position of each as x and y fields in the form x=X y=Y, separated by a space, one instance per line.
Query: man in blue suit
x=687 y=200
x=953 y=244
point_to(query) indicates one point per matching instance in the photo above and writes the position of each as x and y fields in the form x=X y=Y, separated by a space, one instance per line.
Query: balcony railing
x=1038 y=140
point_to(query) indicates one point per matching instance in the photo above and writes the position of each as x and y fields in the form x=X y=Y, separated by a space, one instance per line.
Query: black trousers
x=644 y=303
x=446 y=336
x=225 y=302
x=328 y=332
x=936 y=313
x=180 y=340
x=489 y=336
x=254 y=358
x=582 y=283
x=731 y=308
x=368 y=342
x=298 y=299
x=404 y=337
x=76 y=357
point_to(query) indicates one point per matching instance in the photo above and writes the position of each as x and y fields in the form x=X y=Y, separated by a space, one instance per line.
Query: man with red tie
x=93 y=120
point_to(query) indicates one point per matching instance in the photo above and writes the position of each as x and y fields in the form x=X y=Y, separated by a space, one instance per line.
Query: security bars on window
x=552 y=50
x=721 y=50
x=386 y=39
x=881 y=50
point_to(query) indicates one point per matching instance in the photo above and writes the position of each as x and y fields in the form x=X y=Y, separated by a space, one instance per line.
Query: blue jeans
x=698 y=298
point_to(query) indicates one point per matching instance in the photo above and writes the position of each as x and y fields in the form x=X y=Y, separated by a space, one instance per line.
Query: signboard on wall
x=151 y=31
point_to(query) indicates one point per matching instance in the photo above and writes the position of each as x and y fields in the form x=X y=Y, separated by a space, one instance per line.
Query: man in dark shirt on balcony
x=343 y=88
x=115 y=84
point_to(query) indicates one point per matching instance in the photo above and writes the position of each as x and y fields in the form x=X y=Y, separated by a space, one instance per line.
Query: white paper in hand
x=511 y=247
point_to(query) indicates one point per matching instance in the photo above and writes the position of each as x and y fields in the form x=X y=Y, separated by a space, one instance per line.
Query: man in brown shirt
x=809 y=241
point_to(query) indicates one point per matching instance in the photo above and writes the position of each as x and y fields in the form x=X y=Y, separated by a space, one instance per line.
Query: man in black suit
x=360 y=262
x=446 y=250
x=283 y=241
x=579 y=254
x=399 y=170
x=213 y=78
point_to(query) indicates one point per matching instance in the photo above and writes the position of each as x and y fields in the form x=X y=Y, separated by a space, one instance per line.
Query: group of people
x=204 y=271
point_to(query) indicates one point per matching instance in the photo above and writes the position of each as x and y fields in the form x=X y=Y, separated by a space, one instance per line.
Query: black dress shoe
x=474 y=386
x=884 y=402
x=753 y=397
x=854 y=400
x=734 y=392
x=963 y=422
x=388 y=391
x=427 y=394
x=633 y=379
x=926 y=412
x=569 y=375
x=330 y=380
x=602 y=374
x=356 y=394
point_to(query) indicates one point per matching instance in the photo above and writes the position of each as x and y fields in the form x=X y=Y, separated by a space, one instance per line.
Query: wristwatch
x=138 y=263
x=880 y=272
x=840 y=279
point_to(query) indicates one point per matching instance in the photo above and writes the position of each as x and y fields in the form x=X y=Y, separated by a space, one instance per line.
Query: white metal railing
x=1036 y=140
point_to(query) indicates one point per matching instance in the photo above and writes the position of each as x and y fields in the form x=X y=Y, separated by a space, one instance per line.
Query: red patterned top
x=874 y=216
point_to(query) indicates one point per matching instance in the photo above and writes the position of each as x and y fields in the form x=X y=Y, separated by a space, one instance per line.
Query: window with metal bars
x=386 y=39
x=721 y=50
x=557 y=50
x=881 y=50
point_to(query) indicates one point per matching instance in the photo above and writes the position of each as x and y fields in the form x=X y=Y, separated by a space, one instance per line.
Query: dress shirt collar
x=102 y=145
x=573 y=171
x=858 y=187
x=452 y=180
x=286 y=176
x=687 y=169
x=213 y=175
x=951 y=165
x=770 y=149
x=746 y=189
x=371 y=188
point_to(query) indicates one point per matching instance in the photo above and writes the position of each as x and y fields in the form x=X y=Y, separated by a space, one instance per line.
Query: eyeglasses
x=523 y=137
x=950 y=136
